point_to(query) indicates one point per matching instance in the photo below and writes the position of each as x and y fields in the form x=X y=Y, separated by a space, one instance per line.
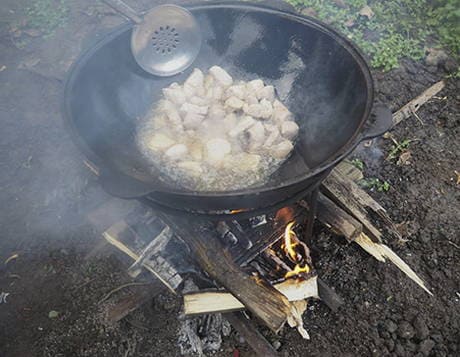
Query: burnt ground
x=46 y=193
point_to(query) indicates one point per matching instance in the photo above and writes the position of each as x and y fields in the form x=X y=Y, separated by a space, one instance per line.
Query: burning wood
x=206 y=302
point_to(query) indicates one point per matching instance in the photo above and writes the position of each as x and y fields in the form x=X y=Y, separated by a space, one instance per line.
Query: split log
x=120 y=235
x=347 y=195
x=206 y=302
x=336 y=218
x=261 y=299
x=249 y=332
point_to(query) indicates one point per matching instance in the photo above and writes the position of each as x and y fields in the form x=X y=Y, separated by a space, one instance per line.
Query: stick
x=410 y=108
x=382 y=252
x=220 y=301
x=249 y=332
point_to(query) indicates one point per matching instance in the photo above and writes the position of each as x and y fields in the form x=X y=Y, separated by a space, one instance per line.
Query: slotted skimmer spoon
x=165 y=40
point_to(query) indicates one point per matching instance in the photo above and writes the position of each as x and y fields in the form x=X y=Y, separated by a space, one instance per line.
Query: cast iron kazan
x=318 y=74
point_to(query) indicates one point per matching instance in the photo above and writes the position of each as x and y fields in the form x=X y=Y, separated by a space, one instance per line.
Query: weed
x=375 y=184
x=47 y=15
x=358 y=164
x=398 y=148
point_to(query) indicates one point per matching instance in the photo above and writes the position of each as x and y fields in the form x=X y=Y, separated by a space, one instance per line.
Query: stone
x=426 y=346
x=435 y=57
x=421 y=329
x=405 y=330
x=277 y=345
x=399 y=350
x=390 y=344
x=390 y=326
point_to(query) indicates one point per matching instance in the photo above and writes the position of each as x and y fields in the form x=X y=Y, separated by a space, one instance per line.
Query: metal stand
x=312 y=207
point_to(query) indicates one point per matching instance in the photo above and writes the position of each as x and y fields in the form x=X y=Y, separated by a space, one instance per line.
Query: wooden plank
x=220 y=301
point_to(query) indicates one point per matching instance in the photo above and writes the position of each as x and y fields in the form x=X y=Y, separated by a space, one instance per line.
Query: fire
x=298 y=269
x=235 y=211
x=289 y=246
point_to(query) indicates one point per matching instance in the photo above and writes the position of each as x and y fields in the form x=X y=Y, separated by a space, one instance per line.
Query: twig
x=452 y=243
x=120 y=288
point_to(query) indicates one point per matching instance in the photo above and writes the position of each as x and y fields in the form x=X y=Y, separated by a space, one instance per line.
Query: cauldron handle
x=382 y=122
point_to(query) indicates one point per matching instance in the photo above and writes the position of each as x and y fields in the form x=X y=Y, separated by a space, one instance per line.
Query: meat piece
x=196 y=150
x=196 y=79
x=238 y=91
x=221 y=76
x=192 y=121
x=159 y=142
x=256 y=135
x=175 y=94
x=245 y=123
x=251 y=99
x=264 y=110
x=244 y=162
x=273 y=135
x=195 y=109
x=171 y=112
x=289 y=130
x=208 y=82
x=230 y=121
x=216 y=112
x=280 y=112
x=176 y=152
x=234 y=103
x=255 y=86
x=254 y=110
x=216 y=149
x=282 y=150
x=267 y=109
x=201 y=101
x=267 y=92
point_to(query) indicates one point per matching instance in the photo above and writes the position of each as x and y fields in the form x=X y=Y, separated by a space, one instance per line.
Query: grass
x=359 y=164
x=395 y=28
x=47 y=15
x=375 y=184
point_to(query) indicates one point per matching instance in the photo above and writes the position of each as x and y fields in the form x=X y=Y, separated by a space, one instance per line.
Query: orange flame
x=288 y=244
x=235 y=211
x=289 y=247
x=297 y=270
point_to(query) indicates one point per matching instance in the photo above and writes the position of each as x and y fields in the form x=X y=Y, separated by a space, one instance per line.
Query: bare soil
x=46 y=193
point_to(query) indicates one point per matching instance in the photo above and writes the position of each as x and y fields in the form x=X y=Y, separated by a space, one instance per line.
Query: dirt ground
x=46 y=193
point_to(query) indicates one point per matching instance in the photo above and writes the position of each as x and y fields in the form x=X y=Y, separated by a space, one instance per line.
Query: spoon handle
x=125 y=10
